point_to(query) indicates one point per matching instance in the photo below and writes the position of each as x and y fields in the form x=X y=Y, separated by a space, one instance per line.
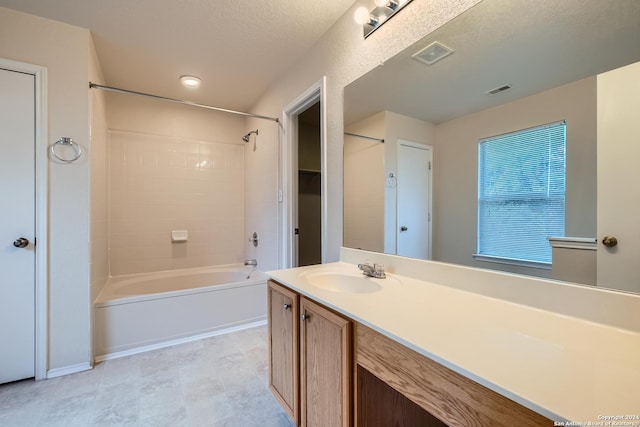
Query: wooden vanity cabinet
x=325 y=367
x=283 y=314
x=310 y=359
x=320 y=382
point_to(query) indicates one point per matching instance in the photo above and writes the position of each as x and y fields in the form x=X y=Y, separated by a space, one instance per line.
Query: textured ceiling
x=237 y=47
x=530 y=45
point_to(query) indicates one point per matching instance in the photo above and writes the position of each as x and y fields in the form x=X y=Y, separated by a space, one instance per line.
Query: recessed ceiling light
x=190 y=81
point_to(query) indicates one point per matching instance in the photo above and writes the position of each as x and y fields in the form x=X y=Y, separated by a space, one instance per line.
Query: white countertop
x=565 y=368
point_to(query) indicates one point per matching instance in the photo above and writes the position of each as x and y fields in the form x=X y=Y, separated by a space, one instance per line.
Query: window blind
x=521 y=192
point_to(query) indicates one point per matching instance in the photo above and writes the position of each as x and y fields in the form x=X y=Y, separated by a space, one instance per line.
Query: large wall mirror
x=413 y=129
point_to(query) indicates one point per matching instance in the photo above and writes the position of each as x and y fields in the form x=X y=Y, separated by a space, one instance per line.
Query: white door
x=619 y=178
x=413 y=234
x=17 y=220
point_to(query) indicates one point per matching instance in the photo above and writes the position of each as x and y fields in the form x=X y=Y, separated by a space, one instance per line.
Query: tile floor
x=218 y=381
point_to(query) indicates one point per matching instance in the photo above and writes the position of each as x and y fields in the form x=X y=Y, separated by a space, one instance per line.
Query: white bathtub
x=142 y=312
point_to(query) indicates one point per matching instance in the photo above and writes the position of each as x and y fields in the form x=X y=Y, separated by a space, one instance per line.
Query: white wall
x=65 y=51
x=173 y=167
x=342 y=55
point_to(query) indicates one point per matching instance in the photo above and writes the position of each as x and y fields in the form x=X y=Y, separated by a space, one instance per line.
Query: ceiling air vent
x=432 y=53
x=499 y=89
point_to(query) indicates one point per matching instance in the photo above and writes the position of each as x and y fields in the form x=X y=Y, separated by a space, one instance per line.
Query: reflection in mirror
x=546 y=61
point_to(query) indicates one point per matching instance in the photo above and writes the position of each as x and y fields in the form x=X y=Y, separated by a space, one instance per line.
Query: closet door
x=618 y=177
x=17 y=216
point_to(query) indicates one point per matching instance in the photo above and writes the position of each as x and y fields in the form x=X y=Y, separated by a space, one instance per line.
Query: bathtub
x=142 y=312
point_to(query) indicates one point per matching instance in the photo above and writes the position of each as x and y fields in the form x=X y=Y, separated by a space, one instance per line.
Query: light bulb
x=190 y=81
x=382 y=3
x=361 y=15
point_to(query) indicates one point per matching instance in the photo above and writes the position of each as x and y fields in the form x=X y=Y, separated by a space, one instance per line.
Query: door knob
x=609 y=241
x=403 y=228
x=21 y=243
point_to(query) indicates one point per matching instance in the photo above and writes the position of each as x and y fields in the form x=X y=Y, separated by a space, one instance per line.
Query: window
x=521 y=194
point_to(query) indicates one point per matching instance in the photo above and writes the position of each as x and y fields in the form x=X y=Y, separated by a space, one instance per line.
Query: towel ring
x=67 y=142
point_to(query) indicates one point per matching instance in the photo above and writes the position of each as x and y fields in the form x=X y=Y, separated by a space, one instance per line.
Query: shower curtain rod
x=180 y=101
x=364 y=137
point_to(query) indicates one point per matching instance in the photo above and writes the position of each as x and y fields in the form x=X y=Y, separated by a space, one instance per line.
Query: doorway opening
x=309 y=218
x=303 y=181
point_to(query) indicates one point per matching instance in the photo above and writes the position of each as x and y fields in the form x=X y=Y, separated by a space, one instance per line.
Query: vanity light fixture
x=191 y=82
x=372 y=19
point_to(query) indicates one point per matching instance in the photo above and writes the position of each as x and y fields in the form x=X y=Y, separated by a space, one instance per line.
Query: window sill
x=513 y=261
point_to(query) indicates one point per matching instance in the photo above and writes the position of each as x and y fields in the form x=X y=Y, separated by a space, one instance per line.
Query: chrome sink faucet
x=372 y=270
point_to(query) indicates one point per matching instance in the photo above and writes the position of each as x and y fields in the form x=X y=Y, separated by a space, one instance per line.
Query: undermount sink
x=347 y=282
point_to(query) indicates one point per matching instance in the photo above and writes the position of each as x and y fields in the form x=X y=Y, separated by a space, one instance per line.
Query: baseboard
x=67 y=370
x=129 y=352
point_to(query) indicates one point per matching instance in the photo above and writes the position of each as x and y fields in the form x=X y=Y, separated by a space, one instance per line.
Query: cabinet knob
x=287 y=306
x=305 y=316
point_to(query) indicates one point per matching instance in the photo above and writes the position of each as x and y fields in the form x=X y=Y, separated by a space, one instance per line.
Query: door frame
x=428 y=148
x=289 y=171
x=41 y=171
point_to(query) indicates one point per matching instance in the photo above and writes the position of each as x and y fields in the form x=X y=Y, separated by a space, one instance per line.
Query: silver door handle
x=21 y=243
x=305 y=316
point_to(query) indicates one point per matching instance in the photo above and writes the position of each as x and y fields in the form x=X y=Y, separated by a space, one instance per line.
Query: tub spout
x=250 y=273
x=252 y=262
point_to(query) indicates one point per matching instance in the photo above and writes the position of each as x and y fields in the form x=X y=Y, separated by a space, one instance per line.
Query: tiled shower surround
x=158 y=184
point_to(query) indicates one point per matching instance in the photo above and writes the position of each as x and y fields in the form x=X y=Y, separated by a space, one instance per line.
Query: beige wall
x=342 y=55
x=456 y=159
x=364 y=180
x=65 y=51
x=173 y=167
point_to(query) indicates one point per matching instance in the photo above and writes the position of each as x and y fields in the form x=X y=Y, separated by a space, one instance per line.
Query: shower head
x=246 y=137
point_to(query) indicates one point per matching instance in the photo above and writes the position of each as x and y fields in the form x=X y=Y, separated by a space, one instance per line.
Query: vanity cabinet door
x=283 y=315
x=325 y=367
